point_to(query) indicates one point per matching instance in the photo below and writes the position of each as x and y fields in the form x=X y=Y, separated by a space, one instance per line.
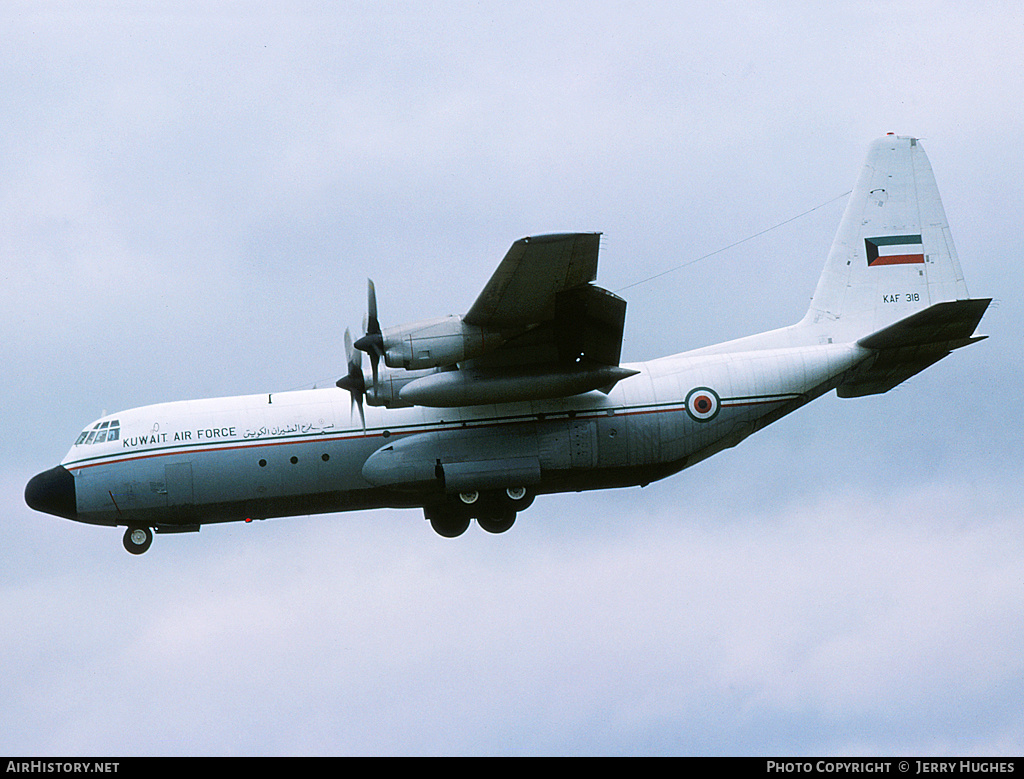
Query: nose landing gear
x=137 y=538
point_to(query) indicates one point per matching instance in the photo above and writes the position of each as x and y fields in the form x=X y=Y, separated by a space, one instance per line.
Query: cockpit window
x=100 y=432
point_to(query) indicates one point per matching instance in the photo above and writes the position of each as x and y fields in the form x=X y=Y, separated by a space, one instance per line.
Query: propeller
x=354 y=381
x=373 y=342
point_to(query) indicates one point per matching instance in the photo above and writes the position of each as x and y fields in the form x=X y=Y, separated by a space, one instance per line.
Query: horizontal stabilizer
x=951 y=321
x=910 y=345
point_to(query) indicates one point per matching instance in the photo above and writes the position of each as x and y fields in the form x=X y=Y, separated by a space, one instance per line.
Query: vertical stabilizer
x=893 y=255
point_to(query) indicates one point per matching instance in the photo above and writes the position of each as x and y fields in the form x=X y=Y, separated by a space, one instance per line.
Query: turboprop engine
x=431 y=343
x=434 y=343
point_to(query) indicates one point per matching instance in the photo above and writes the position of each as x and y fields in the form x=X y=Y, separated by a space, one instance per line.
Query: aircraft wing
x=584 y=325
x=539 y=329
x=544 y=284
x=523 y=289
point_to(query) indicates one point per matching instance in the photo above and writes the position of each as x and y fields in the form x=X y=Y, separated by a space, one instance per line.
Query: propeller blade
x=373 y=342
x=354 y=381
x=371 y=308
x=357 y=400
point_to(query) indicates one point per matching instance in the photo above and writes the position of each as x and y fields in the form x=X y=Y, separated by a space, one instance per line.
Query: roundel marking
x=702 y=404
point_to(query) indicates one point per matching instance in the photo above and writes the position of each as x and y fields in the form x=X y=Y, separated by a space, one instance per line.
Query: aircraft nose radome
x=53 y=492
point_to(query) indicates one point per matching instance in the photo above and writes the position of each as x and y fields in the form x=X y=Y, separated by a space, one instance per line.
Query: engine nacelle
x=477 y=387
x=435 y=343
x=386 y=392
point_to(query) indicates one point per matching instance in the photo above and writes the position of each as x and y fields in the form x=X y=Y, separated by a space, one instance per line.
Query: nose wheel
x=137 y=538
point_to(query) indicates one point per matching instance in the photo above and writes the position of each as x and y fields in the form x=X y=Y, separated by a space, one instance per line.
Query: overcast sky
x=190 y=203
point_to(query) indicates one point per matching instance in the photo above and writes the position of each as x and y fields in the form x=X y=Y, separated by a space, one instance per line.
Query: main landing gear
x=494 y=511
x=137 y=538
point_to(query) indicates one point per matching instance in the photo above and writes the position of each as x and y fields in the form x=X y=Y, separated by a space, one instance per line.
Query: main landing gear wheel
x=495 y=511
x=498 y=522
x=518 y=498
x=468 y=499
x=447 y=521
x=137 y=539
x=449 y=526
x=451 y=519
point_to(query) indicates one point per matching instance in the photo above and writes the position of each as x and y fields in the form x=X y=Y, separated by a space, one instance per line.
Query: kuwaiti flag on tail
x=894 y=250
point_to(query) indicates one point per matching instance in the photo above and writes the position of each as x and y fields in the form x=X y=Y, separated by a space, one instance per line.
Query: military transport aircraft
x=472 y=416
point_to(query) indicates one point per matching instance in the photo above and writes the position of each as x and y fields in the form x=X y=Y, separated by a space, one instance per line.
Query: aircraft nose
x=53 y=492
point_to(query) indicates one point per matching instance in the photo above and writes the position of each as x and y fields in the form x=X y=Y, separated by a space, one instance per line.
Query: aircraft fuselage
x=179 y=465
